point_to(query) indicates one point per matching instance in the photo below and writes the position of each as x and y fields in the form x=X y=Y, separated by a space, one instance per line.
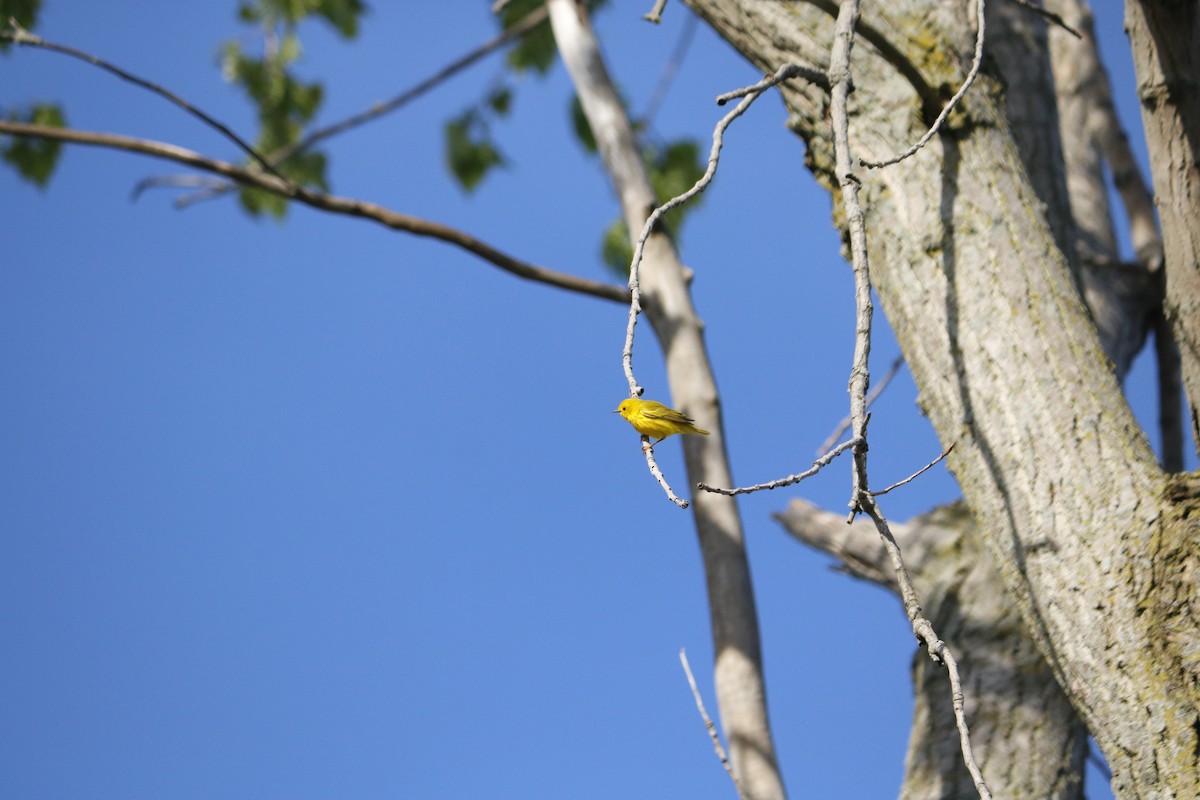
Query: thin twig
x=962 y=90
x=860 y=373
x=655 y=14
x=817 y=77
x=861 y=498
x=177 y=182
x=708 y=724
x=749 y=95
x=325 y=202
x=916 y=474
x=937 y=649
x=648 y=451
x=667 y=76
x=817 y=466
x=19 y=35
x=531 y=21
x=872 y=396
x=1049 y=16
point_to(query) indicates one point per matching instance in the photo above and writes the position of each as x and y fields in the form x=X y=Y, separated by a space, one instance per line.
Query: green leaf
x=289 y=48
x=342 y=15
x=536 y=51
x=500 y=101
x=257 y=203
x=248 y=13
x=676 y=169
x=470 y=151
x=307 y=169
x=583 y=128
x=35 y=159
x=615 y=248
x=673 y=171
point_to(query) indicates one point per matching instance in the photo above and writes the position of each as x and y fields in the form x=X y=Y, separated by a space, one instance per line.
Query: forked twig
x=18 y=35
x=817 y=466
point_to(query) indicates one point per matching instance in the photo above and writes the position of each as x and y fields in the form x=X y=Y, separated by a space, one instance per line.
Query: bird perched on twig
x=656 y=420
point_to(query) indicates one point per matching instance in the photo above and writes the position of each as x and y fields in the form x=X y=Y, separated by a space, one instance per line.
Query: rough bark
x=1165 y=39
x=738 y=672
x=1035 y=743
x=1067 y=493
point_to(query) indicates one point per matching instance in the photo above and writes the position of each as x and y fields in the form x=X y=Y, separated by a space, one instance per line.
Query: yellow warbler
x=654 y=419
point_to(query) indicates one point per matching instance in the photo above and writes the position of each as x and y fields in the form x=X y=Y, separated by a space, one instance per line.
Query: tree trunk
x=1035 y=742
x=738 y=671
x=1091 y=546
x=1165 y=38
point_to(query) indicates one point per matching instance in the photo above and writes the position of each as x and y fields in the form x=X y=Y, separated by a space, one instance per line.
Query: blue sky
x=320 y=510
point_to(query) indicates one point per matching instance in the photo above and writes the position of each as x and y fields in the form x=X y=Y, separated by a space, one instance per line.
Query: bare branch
x=326 y=202
x=655 y=14
x=708 y=723
x=962 y=90
x=861 y=499
x=19 y=35
x=648 y=451
x=860 y=374
x=817 y=466
x=916 y=474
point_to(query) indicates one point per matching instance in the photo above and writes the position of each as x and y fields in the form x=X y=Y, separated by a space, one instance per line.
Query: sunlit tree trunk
x=1091 y=541
x=738 y=669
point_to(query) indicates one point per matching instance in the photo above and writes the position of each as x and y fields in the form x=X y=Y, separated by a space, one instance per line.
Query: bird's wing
x=659 y=411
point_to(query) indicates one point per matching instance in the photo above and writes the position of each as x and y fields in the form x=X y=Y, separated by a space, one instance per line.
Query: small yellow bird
x=654 y=419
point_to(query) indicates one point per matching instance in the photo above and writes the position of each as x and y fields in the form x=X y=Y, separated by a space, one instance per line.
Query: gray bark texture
x=1011 y=697
x=976 y=260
